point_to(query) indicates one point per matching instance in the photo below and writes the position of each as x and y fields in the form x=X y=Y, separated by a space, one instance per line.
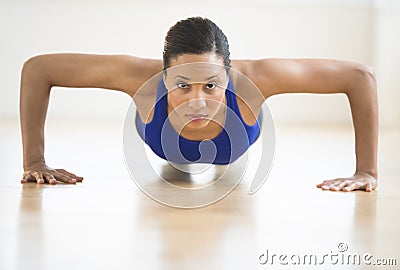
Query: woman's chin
x=196 y=124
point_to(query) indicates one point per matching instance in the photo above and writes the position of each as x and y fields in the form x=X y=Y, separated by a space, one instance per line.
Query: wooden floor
x=106 y=222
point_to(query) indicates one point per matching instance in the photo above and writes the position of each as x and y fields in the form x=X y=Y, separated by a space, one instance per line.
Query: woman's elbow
x=366 y=73
x=34 y=69
x=32 y=63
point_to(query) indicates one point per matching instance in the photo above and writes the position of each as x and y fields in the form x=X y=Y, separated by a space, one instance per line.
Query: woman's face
x=196 y=89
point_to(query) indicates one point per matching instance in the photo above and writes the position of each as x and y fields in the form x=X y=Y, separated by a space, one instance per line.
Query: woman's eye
x=183 y=85
x=211 y=85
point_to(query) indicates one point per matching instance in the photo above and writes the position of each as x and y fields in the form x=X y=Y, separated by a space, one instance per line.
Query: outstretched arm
x=277 y=76
x=41 y=73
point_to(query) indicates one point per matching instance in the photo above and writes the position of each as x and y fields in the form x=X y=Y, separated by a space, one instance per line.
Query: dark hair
x=195 y=35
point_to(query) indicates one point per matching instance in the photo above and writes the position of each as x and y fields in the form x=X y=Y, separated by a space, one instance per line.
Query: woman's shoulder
x=140 y=70
x=254 y=71
x=253 y=68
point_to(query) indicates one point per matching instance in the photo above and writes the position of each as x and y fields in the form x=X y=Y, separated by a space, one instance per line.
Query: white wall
x=359 y=30
x=387 y=59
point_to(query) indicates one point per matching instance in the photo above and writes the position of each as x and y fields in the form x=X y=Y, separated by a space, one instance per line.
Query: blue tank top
x=231 y=143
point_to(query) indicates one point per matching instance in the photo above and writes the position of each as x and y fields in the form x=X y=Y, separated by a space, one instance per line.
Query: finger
x=360 y=185
x=39 y=177
x=325 y=183
x=29 y=179
x=320 y=184
x=74 y=176
x=50 y=179
x=339 y=186
x=334 y=181
x=353 y=186
x=64 y=178
x=326 y=187
x=25 y=178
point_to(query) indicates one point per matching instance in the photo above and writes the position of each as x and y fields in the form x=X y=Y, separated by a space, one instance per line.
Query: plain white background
x=359 y=30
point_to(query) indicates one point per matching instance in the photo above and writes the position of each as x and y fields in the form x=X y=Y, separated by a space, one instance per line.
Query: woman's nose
x=197 y=101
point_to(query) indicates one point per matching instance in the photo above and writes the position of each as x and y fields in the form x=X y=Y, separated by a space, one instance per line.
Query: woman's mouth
x=196 y=117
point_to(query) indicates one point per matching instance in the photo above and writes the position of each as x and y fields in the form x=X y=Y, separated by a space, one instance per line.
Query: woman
x=196 y=105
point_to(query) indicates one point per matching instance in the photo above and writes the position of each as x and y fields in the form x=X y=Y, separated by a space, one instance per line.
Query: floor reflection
x=208 y=237
x=191 y=176
x=364 y=222
x=30 y=228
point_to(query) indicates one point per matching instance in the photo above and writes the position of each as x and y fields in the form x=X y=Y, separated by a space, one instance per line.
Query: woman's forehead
x=199 y=71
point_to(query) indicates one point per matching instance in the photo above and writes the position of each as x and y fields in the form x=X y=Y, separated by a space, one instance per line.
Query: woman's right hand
x=40 y=173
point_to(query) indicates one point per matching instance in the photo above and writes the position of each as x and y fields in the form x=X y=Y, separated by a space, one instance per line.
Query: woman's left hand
x=359 y=181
